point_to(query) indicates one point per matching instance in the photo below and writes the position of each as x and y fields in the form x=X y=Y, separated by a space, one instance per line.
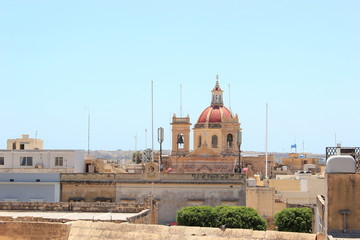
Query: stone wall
x=73 y=206
x=171 y=191
x=285 y=184
x=343 y=193
x=257 y=163
x=85 y=230
x=151 y=177
x=172 y=197
x=262 y=199
x=106 y=231
x=33 y=230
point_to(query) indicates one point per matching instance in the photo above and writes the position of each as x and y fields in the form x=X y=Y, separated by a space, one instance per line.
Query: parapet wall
x=343 y=193
x=154 y=177
x=34 y=230
x=73 y=206
x=84 y=230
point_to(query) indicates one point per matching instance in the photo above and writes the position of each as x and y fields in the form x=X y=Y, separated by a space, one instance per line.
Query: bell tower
x=217 y=95
x=180 y=135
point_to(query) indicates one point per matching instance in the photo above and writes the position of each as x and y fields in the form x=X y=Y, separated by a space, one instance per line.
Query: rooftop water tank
x=341 y=164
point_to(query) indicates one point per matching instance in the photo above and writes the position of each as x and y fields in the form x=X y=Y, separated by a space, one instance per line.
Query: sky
x=63 y=60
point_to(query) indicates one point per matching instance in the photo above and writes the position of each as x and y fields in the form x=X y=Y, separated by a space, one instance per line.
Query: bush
x=240 y=217
x=202 y=216
x=232 y=216
x=294 y=220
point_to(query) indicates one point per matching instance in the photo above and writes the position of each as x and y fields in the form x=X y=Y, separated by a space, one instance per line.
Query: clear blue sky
x=59 y=57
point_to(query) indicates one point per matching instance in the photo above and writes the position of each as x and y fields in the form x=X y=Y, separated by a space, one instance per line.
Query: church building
x=216 y=135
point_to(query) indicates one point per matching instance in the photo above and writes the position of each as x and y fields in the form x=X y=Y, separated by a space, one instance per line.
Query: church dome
x=214 y=114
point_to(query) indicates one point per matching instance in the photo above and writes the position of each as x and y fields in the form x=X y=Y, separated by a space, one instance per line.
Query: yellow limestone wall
x=94 y=231
x=34 y=230
x=285 y=185
x=343 y=193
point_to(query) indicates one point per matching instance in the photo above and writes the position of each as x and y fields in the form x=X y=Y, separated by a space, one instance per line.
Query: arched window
x=214 y=141
x=199 y=144
x=180 y=140
x=230 y=140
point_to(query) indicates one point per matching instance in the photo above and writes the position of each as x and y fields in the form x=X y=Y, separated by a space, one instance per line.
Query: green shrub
x=294 y=220
x=202 y=216
x=232 y=216
x=240 y=217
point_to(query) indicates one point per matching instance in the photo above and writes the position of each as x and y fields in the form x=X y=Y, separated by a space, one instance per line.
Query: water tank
x=341 y=164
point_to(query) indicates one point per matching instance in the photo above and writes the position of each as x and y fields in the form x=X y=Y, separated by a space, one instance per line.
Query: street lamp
x=238 y=142
x=160 y=140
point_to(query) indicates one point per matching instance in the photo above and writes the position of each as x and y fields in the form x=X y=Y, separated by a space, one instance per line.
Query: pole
x=88 y=132
x=160 y=161
x=238 y=141
x=160 y=140
x=145 y=138
x=266 y=144
x=152 y=121
x=181 y=100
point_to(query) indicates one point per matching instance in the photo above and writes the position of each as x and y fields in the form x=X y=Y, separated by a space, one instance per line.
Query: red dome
x=215 y=114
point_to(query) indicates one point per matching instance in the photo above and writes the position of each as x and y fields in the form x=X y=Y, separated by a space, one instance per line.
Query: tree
x=229 y=216
x=137 y=157
x=294 y=220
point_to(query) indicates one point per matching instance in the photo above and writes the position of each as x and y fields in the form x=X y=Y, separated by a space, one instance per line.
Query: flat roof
x=104 y=216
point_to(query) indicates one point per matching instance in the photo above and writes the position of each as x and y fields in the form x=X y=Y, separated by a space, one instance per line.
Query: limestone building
x=24 y=143
x=26 y=155
x=215 y=140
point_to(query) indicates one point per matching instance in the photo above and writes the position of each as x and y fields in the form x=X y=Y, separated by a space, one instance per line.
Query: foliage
x=202 y=216
x=294 y=220
x=231 y=216
x=136 y=157
x=240 y=217
x=142 y=156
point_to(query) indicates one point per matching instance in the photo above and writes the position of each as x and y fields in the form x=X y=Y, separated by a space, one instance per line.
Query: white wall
x=73 y=160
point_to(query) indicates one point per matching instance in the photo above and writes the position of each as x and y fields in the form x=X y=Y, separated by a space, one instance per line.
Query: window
x=2 y=161
x=229 y=140
x=199 y=145
x=214 y=141
x=26 y=161
x=180 y=140
x=59 y=161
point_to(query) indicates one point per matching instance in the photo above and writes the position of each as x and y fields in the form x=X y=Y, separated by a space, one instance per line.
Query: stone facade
x=170 y=192
x=42 y=161
x=33 y=230
x=297 y=161
x=25 y=143
x=257 y=164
